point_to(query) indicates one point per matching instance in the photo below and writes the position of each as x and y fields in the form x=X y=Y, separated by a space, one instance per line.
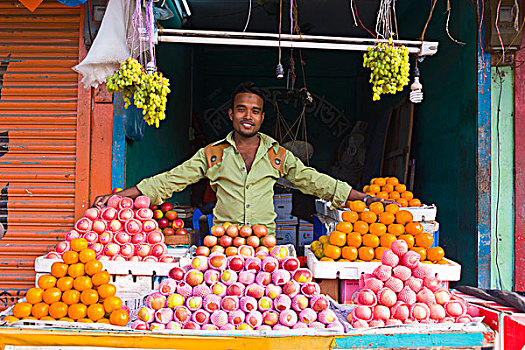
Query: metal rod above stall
x=420 y=48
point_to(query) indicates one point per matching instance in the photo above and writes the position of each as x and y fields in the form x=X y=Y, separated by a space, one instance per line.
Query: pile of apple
x=228 y=238
x=240 y=292
x=124 y=230
x=402 y=290
x=168 y=219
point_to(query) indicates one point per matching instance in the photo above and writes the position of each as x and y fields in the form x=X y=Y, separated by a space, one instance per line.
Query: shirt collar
x=266 y=141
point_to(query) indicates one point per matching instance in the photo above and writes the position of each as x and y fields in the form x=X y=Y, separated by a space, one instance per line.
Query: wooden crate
x=192 y=238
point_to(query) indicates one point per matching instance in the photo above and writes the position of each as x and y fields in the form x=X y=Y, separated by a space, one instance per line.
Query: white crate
x=320 y=207
x=423 y=213
x=353 y=270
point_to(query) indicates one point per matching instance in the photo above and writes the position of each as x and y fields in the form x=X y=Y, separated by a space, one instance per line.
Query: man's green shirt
x=244 y=197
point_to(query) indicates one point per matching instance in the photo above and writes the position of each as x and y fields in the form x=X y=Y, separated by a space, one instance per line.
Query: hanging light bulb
x=279 y=71
x=151 y=68
x=416 y=95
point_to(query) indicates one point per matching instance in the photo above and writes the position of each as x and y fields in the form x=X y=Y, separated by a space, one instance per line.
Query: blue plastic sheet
x=72 y=3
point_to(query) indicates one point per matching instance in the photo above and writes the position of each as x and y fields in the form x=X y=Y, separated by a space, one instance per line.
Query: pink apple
x=133 y=226
x=290 y=264
x=72 y=235
x=269 y=241
x=62 y=247
x=99 y=226
x=235 y=289
x=105 y=237
x=239 y=241
x=92 y=213
x=229 y=303
x=217 y=230
x=125 y=214
x=246 y=251
x=125 y=202
x=97 y=247
x=232 y=231
x=167 y=259
x=255 y=290
x=194 y=277
x=182 y=314
x=155 y=237
x=90 y=236
x=150 y=258
x=291 y=288
x=142 y=250
x=253 y=241
x=159 y=250
x=122 y=237
x=113 y=201
x=149 y=225
x=218 y=261
x=109 y=213
x=209 y=241
x=245 y=231
x=135 y=258
x=83 y=225
x=111 y=249
x=139 y=237
x=141 y=202
x=302 y=275
x=114 y=225
x=127 y=250
x=270 y=318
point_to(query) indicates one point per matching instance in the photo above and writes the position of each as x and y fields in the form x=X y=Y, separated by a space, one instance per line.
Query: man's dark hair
x=246 y=87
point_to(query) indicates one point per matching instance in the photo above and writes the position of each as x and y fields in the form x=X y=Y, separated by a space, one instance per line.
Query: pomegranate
x=218 y=230
x=245 y=231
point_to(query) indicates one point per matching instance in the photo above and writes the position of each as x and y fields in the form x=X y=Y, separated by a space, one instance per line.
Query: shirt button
x=247 y=205
x=247 y=186
x=243 y=168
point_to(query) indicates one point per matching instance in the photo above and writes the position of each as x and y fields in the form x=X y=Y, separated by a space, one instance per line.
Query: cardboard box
x=305 y=237
x=286 y=234
x=282 y=204
x=329 y=287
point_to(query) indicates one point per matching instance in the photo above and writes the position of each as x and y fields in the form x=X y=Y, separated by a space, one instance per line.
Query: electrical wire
x=499 y=282
x=512 y=42
x=361 y=23
x=434 y=2
x=497 y=30
x=280 y=26
x=249 y=16
x=449 y=11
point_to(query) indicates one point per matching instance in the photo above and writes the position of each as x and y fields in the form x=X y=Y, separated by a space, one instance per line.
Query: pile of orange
x=364 y=235
x=390 y=188
x=77 y=290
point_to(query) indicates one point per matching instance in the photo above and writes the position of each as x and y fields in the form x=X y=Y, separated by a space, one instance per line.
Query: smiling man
x=242 y=169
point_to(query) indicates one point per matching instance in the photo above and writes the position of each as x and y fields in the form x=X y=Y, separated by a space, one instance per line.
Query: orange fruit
x=424 y=240
x=409 y=239
x=368 y=216
x=66 y=319
x=387 y=239
x=414 y=203
x=103 y=320
x=46 y=281
x=403 y=202
x=106 y=290
x=78 y=244
x=366 y=253
x=87 y=255
x=85 y=320
x=115 y=303
x=34 y=295
x=354 y=239
x=387 y=217
x=407 y=195
x=414 y=228
x=10 y=319
x=100 y=278
x=382 y=195
x=380 y=181
x=337 y=238
x=392 y=208
x=392 y=180
x=350 y=216
x=358 y=206
x=95 y=312
x=377 y=229
x=30 y=318
x=345 y=227
x=119 y=318
x=22 y=310
x=92 y=267
x=82 y=283
x=401 y=188
x=396 y=229
x=65 y=283
x=330 y=251
x=374 y=189
x=59 y=269
x=435 y=254
x=442 y=262
x=349 y=253
x=47 y=318
x=387 y=188
x=361 y=227
x=366 y=188
x=403 y=217
x=377 y=208
x=71 y=297
x=370 y=240
x=76 y=270
x=421 y=251
x=343 y=260
x=89 y=297
x=378 y=252
x=77 y=311
x=393 y=195
x=40 y=310
x=70 y=257
x=325 y=258
x=58 y=310
x=51 y=295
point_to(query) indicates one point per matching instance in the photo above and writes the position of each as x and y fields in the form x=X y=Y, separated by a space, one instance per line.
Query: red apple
x=290 y=288
x=320 y=304
x=209 y=241
x=253 y=241
x=225 y=241
x=181 y=231
x=194 y=277
x=182 y=314
x=218 y=261
x=259 y=230
x=154 y=207
x=254 y=264
x=245 y=231
x=178 y=223
x=166 y=207
x=163 y=223
x=291 y=264
x=234 y=290
x=116 y=189
x=232 y=231
x=171 y=215
x=217 y=249
x=218 y=230
x=200 y=316
x=191 y=325
x=255 y=290
x=231 y=251
x=177 y=273
x=264 y=278
x=302 y=275
x=269 y=241
x=271 y=318
x=229 y=303
x=236 y=263
x=202 y=250
x=168 y=231
x=157 y=214
x=271 y=266
x=238 y=241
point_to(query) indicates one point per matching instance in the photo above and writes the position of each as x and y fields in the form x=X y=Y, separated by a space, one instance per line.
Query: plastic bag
x=134 y=124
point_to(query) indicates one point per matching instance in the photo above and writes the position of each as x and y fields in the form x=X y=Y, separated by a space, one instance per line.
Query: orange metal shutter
x=38 y=132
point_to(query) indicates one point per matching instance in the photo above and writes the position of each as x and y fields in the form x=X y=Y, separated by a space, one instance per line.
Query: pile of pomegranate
x=240 y=292
x=402 y=290
x=228 y=238
x=124 y=230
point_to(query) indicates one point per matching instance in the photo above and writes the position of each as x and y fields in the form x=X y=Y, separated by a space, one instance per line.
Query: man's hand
x=132 y=192
x=370 y=199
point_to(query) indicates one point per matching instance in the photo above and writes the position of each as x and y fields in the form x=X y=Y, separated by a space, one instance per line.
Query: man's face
x=247 y=114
